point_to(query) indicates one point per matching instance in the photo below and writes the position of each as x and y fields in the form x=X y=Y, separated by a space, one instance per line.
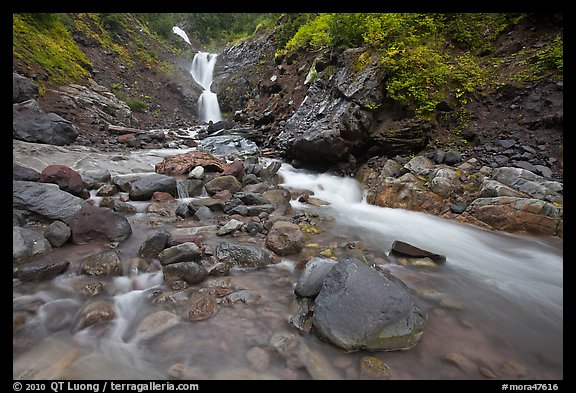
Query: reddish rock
x=161 y=196
x=125 y=138
x=67 y=178
x=235 y=169
x=285 y=238
x=181 y=164
x=99 y=223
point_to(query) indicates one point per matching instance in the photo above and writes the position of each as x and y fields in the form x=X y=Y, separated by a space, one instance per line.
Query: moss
x=51 y=46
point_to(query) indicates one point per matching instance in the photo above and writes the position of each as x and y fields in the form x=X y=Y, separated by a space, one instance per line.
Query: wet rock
x=214 y=204
x=143 y=189
x=23 y=88
x=191 y=272
x=106 y=263
x=226 y=145
x=57 y=233
x=251 y=198
x=117 y=205
x=154 y=244
x=285 y=238
x=202 y=307
x=220 y=183
x=518 y=215
x=92 y=313
x=243 y=296
x=258 y=358
x=301 y=320
x=372 y=367
x=92 y=288
x=155 y=324
x=203 y=213
x=310 y=281
x=98 y=223
x=244 y=255
x=181 y=164
x=316 y=364
x=362 y=308
x=460 y=361
x=230 y=227
x=219 y=269
x=235 y=169
x=107 y=190
x=42 y=270
x=182 y=252
x=404 y=249
x=26 y=243
x=67 y=178
x=513 y=369
x=189 y=373
x=20 y=172
x=95 y=178
x=196 y=173
x=284 y=343
x=46 y=200
x=31 y=124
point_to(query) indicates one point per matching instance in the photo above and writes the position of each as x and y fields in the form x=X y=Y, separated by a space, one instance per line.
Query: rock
x=528 y=183
x=513 y=214
x=106 y=263
x=23 y=89
x=41 y=270
x=243 y=296
x=220 y=183
x=460 y=361
x=401 y=136
x=92 y=288
x=372 y=367
x=155 y=324
x=280 y=199
x=98 y=223
x=26 y=244
x=20 y=172
x=95 y=178
x=32 y=124
x=235 y=169
x=251 y=198
x=197 y=172
x=310 y=281
x=191 y=272
x=302 y=319
x=107 y=190
x=444 y=181
x=258 y=358
x=362 y=308
x=452 y=158
x=203 y=213
x=46 y=200
x=188 y=373
x=98 y=311
x=202 y=307
x=184 y=252
x=492 y=188
x=230 y=227
x=243 y=255
x=154 y=244
x=420 y=165
x=181 y=164
x=67 y=178
x=225 y=145
x=57 y=233
x=117 y=205
x=143 y=189
x=316 y=363
x=404 y=249
x=285 y=238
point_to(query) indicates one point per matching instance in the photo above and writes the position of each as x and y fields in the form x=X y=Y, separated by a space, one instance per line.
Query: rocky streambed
x=183 y=264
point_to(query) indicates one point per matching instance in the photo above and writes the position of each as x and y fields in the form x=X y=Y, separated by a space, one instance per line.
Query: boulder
x=154 y=244
x=360 y=307
x=285 y=238
x=23 y=88
x=310 y=281
x=46 y=200
x=32 y=124
x=41 y=270
x=98 y=223
x=67 y=178
x=95 y=178
x=20 y=172
x=191 y=272
x=26 y=243
x=144 y=188
x=220 y=183
x=106 y=263
x=227 y=145
x=179 y=253
x=244 y=255
x=98 y=311
x=182 y=164
x=57 y=233
x=404 y=249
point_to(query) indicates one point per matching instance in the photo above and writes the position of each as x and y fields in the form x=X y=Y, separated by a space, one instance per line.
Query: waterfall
x=202 y=70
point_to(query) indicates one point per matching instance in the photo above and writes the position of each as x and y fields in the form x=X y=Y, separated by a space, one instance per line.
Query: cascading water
x=202 y=70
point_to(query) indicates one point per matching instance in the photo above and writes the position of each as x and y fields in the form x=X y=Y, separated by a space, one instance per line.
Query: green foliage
x=44 y=40
x=551 y=57
x=311 y=36
x=136 y=105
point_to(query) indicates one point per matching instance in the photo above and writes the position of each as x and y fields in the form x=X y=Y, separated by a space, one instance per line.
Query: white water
x=202 y=71
x=181 y=33
x=506 y=277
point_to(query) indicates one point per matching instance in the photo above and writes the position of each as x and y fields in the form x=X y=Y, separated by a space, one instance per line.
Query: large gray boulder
x=46 y=200
x=26 y=243
x=244 y=255
x=32 y=124
x=362 y=308
x=143 y=189
x=23 y=88
x=310 y=282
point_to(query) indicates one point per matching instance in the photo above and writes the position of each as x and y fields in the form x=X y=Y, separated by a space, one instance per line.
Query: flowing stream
x=495 y=307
